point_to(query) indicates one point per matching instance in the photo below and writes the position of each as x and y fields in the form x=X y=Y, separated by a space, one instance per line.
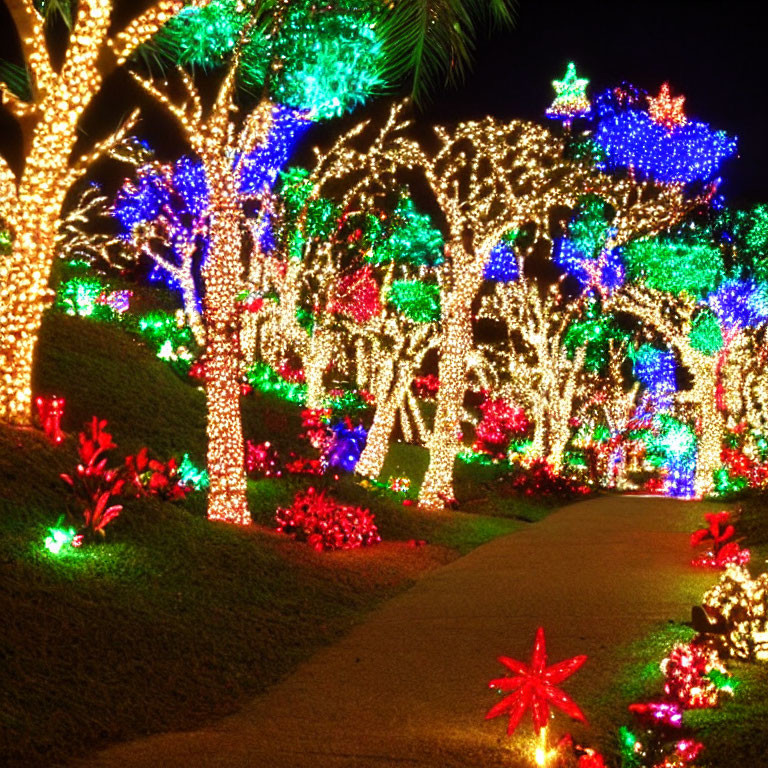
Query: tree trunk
x=23 y=297
x=377 y=444
x=455 y=345
x=226 y=453
x=712 y=426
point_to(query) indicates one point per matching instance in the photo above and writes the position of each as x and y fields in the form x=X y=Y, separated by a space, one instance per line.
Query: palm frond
x=53 y=9
x=17 y=80
x=429 y=41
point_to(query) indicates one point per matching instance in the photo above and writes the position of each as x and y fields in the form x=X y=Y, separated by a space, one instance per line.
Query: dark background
x=711 y=51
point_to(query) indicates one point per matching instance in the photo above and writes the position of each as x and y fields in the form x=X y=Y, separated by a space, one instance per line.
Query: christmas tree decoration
x=502 y=263
x=50 y=411
x=737 y=608
x=534 y=687
x=570 y=97
x=666 y=110
x=191 y=476
x=325 y=524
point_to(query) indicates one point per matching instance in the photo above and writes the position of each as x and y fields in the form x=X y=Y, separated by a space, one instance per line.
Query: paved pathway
x=409 y=686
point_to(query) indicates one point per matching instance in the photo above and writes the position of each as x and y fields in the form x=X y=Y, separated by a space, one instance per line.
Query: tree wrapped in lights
x=490 y=179
x=49 y=111
x=356 y=273
x=703 y=333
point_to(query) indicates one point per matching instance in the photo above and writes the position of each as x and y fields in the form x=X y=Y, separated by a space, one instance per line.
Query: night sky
x=711 y=51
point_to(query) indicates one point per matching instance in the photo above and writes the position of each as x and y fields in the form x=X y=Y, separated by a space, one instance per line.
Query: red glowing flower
x=534 y=687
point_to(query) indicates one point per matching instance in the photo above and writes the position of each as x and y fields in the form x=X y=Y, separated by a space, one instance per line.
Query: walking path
x=409 y=686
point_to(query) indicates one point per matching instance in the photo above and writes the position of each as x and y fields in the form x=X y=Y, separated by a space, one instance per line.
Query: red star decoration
x=665 y=110
x=534 y=687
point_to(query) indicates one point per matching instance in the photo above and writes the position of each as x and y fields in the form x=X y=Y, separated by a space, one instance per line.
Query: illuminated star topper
x=570 y=96
x=666 y=110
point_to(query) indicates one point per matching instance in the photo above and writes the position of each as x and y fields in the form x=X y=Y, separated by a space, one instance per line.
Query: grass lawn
x=174 y=621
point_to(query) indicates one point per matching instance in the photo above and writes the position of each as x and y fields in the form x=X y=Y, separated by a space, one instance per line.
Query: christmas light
x=534 y=686
x=31 y=204
x=51 y=410
x=571 y=99
x=631 y=138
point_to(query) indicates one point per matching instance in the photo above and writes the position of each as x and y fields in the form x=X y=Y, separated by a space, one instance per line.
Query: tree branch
x=80 y=166
x=142 y=28
x=29 y=25
x=7 y=192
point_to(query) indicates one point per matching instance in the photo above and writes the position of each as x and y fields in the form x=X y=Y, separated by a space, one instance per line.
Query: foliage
x=406 y=237
x=325 y=524
x=93 y=485
x=145 y=475
x=418 y=301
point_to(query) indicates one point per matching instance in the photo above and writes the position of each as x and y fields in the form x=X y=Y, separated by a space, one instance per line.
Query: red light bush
x=155 y=478
x=540 y=479
x=325 y=524
x=93 y=485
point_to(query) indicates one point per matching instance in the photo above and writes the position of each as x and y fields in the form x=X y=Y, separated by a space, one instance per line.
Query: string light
x=31 y=204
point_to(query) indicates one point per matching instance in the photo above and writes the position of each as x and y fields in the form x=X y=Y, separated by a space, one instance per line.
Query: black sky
x=711 y=51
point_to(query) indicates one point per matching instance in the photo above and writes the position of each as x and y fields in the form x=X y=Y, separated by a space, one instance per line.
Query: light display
x=407 y=236
x=418 y=301
x=669 y=264
x=59 y=538
x=325 y=524
x=192 y=476
x=534 y=686
x=502 y=263
x=332 y=58
x=571 y=96
x=261 y=459
x=630 y=138
x=50 y=411
x=692 y=673
x=666 y=110
x=738 y=610
x=31 y=204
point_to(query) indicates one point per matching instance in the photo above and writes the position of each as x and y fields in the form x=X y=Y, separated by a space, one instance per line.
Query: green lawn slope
x=174 y=621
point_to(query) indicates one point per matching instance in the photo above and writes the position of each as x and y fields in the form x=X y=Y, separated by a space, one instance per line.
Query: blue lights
x=631 y=139
x=655 y=370
x=259 y=169
x=502 y=263
x=347 y=445
x=740 y=304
